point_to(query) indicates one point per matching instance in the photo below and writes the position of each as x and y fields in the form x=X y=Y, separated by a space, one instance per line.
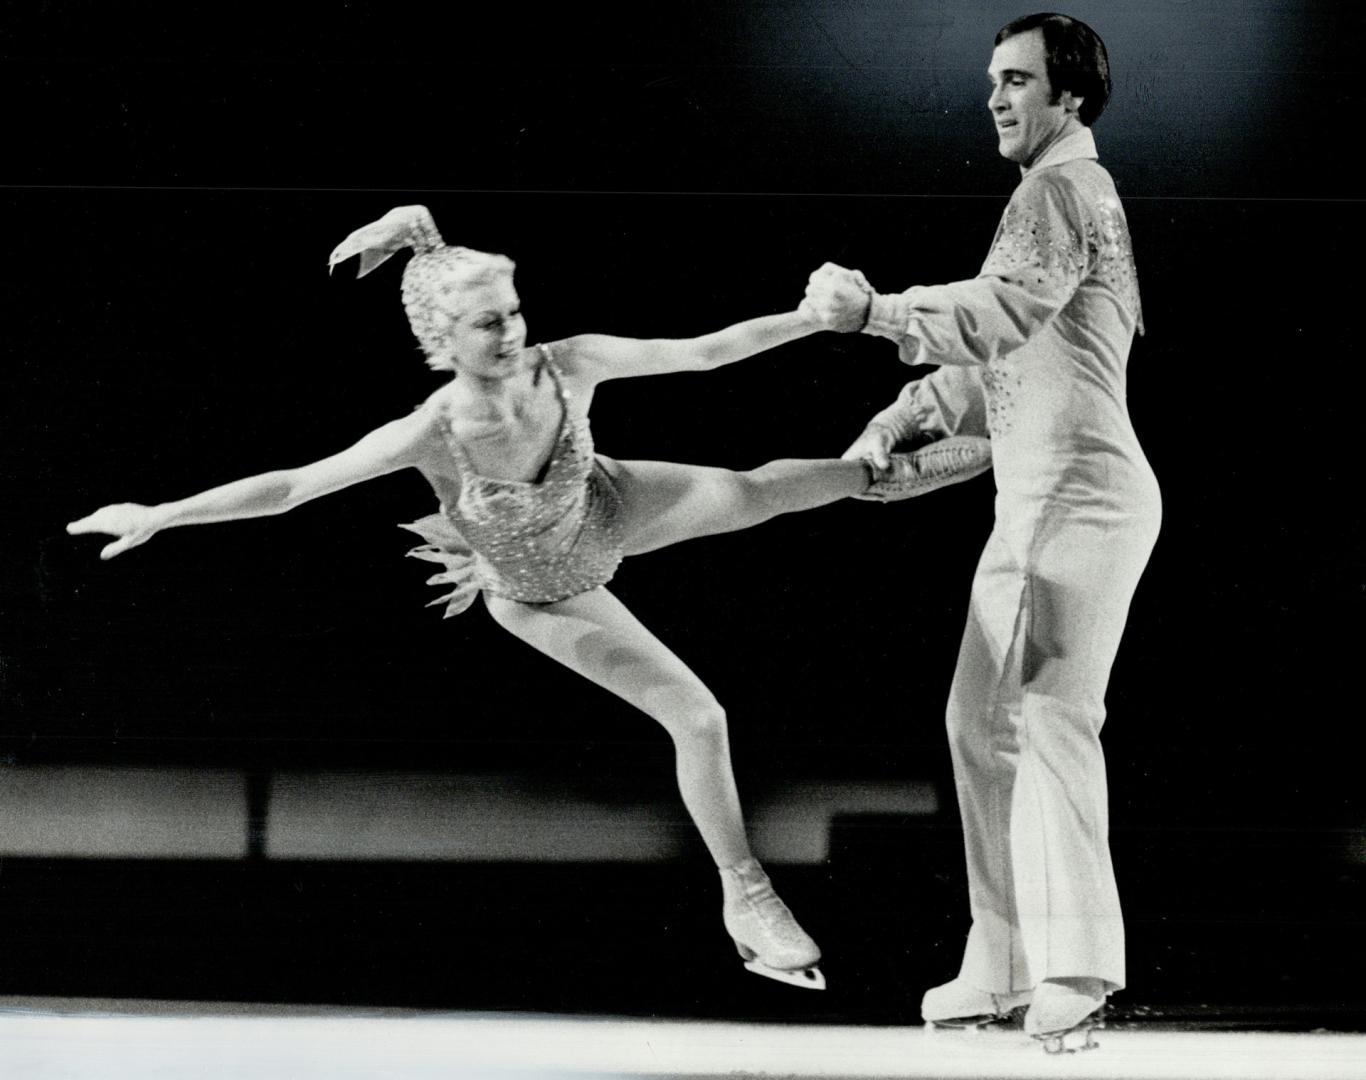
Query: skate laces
x=905 y=468
x=768 y=906
x=754 y=892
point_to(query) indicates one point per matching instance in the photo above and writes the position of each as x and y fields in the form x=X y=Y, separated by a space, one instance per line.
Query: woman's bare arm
x=386 y=449
x=598 y=357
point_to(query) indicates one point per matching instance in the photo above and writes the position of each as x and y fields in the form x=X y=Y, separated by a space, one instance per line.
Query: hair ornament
x=402 y=227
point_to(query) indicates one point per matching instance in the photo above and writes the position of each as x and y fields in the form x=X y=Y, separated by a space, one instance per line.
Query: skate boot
x=1066 y=1012
x=961 y=1006
x=765 y=933
x=934 y=465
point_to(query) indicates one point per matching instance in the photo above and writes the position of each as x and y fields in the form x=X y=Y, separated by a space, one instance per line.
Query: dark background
x=173 y=182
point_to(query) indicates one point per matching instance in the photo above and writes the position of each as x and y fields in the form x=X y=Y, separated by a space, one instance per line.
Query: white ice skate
x=958 y=1006
x=932 y=466
x=1064 y=1019
x=766 y=935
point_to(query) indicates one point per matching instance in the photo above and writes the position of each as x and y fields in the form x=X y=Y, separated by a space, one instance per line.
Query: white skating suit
x=1035 y=349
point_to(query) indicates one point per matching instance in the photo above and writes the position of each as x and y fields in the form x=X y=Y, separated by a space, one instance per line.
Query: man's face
x=1021 y=103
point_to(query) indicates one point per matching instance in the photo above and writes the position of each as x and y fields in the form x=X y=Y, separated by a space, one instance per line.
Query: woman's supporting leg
x=663 y=503
x=595 y=635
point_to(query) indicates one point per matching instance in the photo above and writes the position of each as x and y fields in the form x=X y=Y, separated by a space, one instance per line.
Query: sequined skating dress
x=534 y=541
x=1035 y=351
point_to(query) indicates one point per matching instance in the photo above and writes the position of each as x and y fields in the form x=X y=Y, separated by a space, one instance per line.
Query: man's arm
x=949 y=401
x=1038 y=260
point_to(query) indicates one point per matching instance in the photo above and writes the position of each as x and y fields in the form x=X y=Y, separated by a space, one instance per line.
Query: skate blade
x=1013 y=1017
x=810 y=978
x=971 y=1024
x=1073 y=1040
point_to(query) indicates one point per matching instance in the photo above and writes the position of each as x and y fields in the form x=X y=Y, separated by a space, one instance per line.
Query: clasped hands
x=838 y=298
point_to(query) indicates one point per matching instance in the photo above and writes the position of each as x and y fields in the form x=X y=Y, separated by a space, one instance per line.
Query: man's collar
x=1080 y=144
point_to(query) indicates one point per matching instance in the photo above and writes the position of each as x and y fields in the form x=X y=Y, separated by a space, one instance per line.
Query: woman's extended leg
x=663 y=503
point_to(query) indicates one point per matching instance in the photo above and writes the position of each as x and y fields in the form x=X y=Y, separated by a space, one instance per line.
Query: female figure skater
x=535 y=520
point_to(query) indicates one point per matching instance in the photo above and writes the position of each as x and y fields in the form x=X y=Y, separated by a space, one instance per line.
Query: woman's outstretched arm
x=599 y=357
x=384 y=450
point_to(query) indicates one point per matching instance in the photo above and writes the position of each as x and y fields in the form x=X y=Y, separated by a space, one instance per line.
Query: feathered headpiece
x=436 y=272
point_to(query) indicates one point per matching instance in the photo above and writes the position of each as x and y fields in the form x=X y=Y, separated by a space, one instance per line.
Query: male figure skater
x=1034 y=351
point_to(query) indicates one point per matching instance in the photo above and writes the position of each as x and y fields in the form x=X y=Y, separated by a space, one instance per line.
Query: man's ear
x=1070 y=101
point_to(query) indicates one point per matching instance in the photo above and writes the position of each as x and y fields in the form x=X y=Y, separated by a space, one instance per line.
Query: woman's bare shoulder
x=576 y=360
x=439 y=400
x=421 y=429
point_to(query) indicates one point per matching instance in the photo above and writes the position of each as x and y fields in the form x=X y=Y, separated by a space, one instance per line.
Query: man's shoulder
x=1087 y=176
x=1082 y=183
x=1045 y=191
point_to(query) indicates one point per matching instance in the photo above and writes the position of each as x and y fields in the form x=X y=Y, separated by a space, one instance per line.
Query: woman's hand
x=132 y=523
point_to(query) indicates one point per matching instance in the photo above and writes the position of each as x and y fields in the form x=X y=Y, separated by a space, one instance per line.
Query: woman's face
x=487 y=334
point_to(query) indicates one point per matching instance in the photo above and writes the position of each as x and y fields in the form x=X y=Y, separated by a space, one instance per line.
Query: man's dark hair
x=1075 y=59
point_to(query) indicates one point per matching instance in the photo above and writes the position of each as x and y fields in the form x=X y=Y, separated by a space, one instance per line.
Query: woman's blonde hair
x=432 y=282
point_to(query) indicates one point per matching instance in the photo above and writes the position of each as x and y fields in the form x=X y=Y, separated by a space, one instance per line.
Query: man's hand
x=875 y=445
x=838 y=298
